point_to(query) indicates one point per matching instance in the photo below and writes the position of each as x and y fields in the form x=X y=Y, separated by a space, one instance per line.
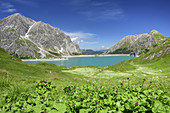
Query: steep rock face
x=27 y=38
x=137 y=44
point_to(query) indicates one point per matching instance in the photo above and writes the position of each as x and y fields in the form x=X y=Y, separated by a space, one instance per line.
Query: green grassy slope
x=23 y=72
x=15 y=72
x=18 y=77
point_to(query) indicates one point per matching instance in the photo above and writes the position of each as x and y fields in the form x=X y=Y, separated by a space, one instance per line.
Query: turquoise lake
x=85 y=61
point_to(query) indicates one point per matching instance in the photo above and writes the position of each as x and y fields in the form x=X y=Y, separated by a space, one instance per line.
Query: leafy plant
x=117 y=99
x=42 y=99
x=89 y=99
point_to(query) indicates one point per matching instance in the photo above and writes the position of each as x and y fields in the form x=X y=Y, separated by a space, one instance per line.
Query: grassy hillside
x=19 y=78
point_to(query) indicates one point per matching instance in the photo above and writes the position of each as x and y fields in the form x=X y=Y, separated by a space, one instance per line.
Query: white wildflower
x=7 y=75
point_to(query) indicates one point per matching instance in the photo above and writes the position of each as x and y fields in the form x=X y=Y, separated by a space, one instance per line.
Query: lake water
x=85 y=61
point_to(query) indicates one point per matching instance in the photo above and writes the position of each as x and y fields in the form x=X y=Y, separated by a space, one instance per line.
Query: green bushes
x=74 y=53
x=41 y=99
x=121 y=51
x=126 y=99
x=89 y=99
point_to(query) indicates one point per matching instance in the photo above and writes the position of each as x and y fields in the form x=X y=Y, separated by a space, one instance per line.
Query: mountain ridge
x=138 y=44
x=92 y=52
x=26 y=38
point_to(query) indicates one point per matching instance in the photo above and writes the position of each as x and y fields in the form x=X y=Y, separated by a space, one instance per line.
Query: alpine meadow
x=30 y=84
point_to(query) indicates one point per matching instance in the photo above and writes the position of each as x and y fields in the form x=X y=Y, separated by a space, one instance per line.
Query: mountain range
x=92 y=52
x=26 y=38
x=141 y=44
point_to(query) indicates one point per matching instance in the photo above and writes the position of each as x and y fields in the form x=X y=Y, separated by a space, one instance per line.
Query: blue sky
x=95 y=24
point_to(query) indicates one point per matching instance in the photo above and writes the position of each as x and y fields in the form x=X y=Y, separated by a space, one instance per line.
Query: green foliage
x=21 y=41
x=42 y=99
x=146 y=50
x=76 y=53
x=56 y=54
x=2 y=50
x=161 y=49
x=121 y=51
x=25 y=57
x=159 y=36
x=5 y=80
x=123 y=98
x=154 y=45
x=118 y=99
x=12 y=32
x=20 y=99
x=122 y=66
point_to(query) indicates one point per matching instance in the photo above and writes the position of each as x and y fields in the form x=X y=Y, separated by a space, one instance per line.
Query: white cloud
x=81 y=41
x=91 y=42
x=6 y=7
x=105 y=47
x=76 y=36
x=79 y=35
x=102 y=47
x=9 y=10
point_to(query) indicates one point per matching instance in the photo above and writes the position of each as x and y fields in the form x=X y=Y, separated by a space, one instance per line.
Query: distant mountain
x=138 y=44
x=26 y=38
x=104 y=50
x=91 y=52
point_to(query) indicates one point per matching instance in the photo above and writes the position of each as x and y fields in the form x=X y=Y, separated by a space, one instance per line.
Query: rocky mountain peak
x=154 y=32
x=27 y=38
x=16 y=22
x=15 y=15
x=137 y=44
x=18 y=16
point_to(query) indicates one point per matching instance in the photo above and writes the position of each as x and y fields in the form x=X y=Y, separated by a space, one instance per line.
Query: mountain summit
x=26 y=38
x=138 y=44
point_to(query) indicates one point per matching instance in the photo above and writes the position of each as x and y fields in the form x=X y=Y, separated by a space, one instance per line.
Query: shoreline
x=43 y=59
x=66 y=57
x=96 y=55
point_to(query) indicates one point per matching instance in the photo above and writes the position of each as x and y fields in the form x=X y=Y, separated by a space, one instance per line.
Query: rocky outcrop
x=137 y=44
x=160 y=51
x=26 y=38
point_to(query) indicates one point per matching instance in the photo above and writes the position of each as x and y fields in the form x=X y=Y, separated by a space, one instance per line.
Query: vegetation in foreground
x=19 y=81
x=88 y=99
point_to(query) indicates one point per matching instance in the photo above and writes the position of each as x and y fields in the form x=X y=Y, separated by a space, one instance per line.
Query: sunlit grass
x=18 y=77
